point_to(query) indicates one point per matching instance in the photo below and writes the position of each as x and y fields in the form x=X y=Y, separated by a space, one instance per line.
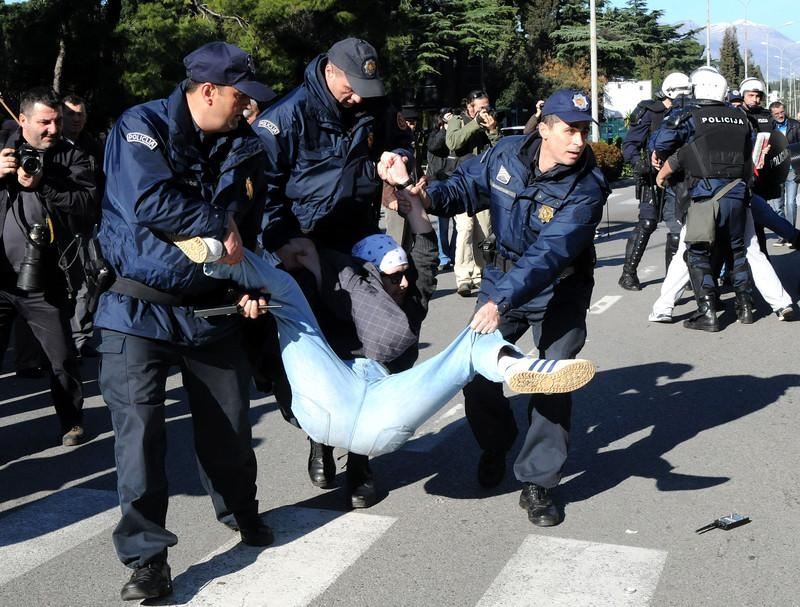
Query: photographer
x=469 y=134
x=47 y=193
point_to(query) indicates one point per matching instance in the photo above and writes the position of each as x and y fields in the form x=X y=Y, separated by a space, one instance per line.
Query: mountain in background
x=757 y=37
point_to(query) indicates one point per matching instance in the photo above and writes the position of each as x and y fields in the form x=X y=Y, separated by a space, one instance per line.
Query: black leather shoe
x=491 y=468
x=464 y=290
x=360 y=485
x=148 y=582
x=629 y=281
x=542 y=512
x=321 y=466
x=257 y=535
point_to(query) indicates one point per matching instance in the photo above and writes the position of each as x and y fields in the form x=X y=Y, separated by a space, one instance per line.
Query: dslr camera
x=30 y=159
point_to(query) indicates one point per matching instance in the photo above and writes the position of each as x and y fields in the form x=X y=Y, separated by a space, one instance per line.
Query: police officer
x=645 y=120
x=545 y=196
x=713 y=142
x=323 y=141
x=753 y=93
x=188 y=165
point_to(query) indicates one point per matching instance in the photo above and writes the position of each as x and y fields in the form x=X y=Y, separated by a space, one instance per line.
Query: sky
x=779 y=12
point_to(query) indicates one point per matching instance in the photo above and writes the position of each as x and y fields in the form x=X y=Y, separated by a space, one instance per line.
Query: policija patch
x=546 y=213
x=145 y=140
x=270 y=126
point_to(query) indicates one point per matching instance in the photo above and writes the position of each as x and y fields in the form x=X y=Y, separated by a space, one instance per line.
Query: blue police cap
x=227 y=65
x=359 y=60
x=569 y=105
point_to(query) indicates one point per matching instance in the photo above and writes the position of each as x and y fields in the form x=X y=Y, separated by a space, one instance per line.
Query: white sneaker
x=660 y=317
x=541 y=376
x=200 y=249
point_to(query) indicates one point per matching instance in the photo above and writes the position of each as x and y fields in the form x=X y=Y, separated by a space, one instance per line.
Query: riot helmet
x=676 y=84
x=708 y=83
x=757 y=91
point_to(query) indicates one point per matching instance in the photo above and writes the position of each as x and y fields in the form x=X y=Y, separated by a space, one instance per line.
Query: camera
x=30 y=159
x=31 y=270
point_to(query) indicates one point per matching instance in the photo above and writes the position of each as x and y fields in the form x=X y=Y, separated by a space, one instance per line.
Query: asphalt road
x=678 y=428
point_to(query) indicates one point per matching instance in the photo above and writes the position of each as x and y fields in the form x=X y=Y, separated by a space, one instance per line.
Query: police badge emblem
x=369 y=67
x=248 y=188
x=546 y=213
x=580 y=102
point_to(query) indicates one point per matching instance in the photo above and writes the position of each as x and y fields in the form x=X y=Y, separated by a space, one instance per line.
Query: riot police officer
x=645 y=120
x=713 y=142
x=753 y=92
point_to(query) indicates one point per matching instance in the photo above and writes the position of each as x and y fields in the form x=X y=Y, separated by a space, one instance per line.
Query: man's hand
x=539 y=106
x=392 y=168
x=655 y=162
x=234 y=249
x=8 y=162
x=405 y=199
x=30 y=182
x=293 y=251
x=248 y=306
x=486 y=319
x=486 y=120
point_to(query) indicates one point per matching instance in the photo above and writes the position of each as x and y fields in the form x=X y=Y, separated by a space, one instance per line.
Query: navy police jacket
x=164 y=177
x=544 y=224
x=322 y=159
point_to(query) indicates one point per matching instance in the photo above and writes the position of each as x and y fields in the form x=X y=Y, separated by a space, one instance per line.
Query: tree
x=731 y=64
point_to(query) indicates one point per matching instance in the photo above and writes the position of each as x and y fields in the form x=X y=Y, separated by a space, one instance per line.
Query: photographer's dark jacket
x=322 y=174
x=544 y=223
x=67 y=192
x=165 y=177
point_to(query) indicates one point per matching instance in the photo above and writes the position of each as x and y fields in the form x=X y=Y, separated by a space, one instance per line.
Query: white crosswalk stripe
x=560 y=572
x=40 y=531
x=312 y=549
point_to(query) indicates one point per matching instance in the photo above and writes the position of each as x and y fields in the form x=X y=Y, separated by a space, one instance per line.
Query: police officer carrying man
x=645 y=120
x=323 y=141
x=545 y=195
x=712 y=144
x=188 y=165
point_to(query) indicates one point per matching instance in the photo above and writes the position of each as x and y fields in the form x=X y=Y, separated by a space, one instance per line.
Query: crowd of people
x=221 y=196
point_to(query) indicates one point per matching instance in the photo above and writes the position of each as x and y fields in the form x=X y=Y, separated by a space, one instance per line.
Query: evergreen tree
x=731 y=64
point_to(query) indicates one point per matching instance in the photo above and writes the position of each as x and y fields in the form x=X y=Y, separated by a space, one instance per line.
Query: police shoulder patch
x=270 y=126
x=145 y=140
x=503 y=176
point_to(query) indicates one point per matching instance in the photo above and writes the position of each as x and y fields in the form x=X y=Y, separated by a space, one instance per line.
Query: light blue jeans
x=357 y=405
x=790 y=198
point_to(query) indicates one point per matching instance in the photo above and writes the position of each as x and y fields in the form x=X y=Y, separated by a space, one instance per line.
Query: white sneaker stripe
x=561 y=572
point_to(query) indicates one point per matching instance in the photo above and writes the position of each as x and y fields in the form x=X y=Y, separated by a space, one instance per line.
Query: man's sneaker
x=537 y=500
x=786 y=313
x=148 y=582
x=464 y=290
x=660 y=317
x=542 y=376
x=73 y=437
x=199 y=249
x=781 y=242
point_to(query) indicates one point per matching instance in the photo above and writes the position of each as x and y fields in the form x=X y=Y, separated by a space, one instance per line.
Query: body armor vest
x=760 y=118
x=720 y=147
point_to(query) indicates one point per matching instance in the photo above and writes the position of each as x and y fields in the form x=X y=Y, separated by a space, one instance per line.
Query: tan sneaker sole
x=193 y=247
x=575 y=374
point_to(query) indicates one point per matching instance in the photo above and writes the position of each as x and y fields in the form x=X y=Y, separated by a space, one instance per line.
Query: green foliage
x=609 y=159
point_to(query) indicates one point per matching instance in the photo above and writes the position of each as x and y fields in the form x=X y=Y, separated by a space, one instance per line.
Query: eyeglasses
x=395 y=278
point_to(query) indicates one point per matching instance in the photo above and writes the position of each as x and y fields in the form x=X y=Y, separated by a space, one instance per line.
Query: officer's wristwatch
x=406 y=184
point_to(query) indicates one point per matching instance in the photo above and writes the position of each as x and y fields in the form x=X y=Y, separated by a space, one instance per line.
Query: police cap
x=359 y=60
x=569 y=105
x=227 y=65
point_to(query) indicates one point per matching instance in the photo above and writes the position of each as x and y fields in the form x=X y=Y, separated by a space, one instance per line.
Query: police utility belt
x=504 y=264
x=139 y=290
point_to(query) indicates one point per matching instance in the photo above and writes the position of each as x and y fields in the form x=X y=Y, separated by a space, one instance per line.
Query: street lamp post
x=745 y=3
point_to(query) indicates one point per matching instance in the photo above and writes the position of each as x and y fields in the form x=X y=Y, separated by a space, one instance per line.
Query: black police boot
x=634 y=249
x=705 y=319
x=321 y=466
x=360 y=486
x=491 y=468
x=670 y=248
x=537 y=500
x=744 y=308
x=256 y=534
x=149 y=581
